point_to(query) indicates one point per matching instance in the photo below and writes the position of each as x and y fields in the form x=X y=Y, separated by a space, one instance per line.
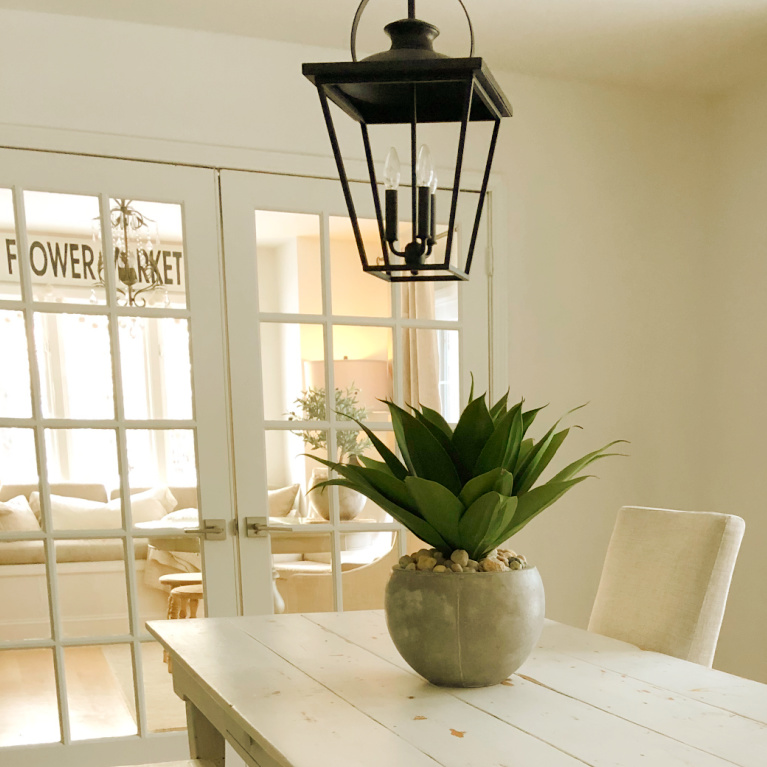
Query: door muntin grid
x=331 y=331
x=87 y=427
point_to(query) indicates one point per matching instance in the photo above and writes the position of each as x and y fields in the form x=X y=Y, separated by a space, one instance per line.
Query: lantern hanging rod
x=410 y=15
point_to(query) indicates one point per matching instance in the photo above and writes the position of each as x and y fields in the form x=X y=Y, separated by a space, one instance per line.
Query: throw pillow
x=80 y=514
x=16 y=515
x=281 y=500
x=152 y=504
x=77 y=513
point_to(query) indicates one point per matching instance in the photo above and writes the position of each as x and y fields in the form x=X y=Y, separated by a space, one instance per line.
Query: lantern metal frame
x=410 y=85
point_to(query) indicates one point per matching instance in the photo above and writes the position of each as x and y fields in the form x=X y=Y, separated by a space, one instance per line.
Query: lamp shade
x=370 y=377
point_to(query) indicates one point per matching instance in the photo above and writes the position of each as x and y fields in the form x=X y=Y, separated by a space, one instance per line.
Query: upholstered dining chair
x=665 y=580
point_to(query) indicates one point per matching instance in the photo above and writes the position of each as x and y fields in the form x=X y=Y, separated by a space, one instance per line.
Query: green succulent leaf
x=371 y=463
x=438 y=506
x=381 y=481
x=499 y=410
x=420 y=527
x=493 y=453
x=499 y=480
x=514 y=442
x=437 y=420
x=533 y=503
x=474 y=429
x=526 y=446
x=443 y=436
x=529 y=416
x=582 y=463
x=539 y=461
x=391 y=460
x=422 y=451
x=484 y=521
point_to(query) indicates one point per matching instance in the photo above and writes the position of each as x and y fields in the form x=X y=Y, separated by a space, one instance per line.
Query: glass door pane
x=102 y=395
x=330 y=547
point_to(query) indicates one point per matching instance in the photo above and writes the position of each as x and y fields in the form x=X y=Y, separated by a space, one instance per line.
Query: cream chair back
x=665 y=580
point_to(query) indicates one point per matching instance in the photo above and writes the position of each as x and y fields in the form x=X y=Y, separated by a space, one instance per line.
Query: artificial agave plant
x=471 y=487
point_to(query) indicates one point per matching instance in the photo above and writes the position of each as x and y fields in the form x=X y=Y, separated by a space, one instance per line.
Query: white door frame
x=197 y=190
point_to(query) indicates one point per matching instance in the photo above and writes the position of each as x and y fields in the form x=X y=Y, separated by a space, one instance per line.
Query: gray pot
x=465 y=629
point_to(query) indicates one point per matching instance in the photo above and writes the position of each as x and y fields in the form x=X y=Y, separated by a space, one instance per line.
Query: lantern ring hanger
x=411 y=15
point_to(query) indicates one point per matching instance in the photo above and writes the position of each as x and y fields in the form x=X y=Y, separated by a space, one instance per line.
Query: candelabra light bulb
x=391 y=169
x=433 y=184
x=424 y=166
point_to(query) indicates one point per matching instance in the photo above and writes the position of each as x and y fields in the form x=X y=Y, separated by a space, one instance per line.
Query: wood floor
x=99 y=693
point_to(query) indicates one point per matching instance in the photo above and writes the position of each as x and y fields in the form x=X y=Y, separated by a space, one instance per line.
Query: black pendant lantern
x=411 y=84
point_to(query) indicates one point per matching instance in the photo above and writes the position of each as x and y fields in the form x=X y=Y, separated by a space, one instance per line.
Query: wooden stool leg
x=192 y=608
x=175 y=607
x=165 y=656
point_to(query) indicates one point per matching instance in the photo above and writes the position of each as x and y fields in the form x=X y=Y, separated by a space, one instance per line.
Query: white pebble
x=439 y=569
x=460 y=557
x=426 y=563
x=456 y=568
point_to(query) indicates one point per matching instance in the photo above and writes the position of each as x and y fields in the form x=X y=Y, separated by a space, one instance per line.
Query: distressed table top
x=326 y=689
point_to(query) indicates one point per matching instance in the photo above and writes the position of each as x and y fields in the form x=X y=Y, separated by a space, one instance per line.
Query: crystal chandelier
x=136 y=243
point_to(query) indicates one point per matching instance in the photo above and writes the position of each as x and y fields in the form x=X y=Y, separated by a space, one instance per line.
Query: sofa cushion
x=79 y=514
x=16 y=515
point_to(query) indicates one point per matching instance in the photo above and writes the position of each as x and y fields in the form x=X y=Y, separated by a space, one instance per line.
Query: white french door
x=141 y=398
x=297 y=298
x=113 y=418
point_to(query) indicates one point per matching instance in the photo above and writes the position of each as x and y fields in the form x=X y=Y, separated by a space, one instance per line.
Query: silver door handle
x=256 y=527
x=211 y=530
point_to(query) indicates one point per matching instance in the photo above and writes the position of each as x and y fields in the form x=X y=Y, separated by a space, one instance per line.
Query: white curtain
x=420 y=348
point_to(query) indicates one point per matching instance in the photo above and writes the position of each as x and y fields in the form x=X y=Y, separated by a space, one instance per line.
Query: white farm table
x=330 y=689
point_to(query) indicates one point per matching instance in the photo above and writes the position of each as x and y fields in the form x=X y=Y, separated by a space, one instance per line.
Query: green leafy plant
x=311 y=407
x=471 y=487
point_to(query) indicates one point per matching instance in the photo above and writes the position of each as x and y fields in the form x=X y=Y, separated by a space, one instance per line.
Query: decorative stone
x=405 y=561
x=515 y=564
x=426 y=563
x=456 y=568
x=489 y=565
x=460 y=557
x=411 y=566
x=472 y=565
x=440 y=569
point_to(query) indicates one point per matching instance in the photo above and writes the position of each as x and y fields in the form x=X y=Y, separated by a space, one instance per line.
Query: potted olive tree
x=350 y=444
x=464 y=612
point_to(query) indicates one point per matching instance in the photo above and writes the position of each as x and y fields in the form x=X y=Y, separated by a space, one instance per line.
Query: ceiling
x=696 y=46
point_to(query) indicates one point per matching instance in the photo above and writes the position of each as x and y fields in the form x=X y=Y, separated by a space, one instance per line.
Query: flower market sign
x=74 y=261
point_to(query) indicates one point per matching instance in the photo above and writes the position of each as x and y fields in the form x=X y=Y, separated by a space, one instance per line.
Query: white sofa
x=91 y=573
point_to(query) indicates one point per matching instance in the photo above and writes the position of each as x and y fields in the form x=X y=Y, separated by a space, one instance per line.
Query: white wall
x=609 y=208
x=736 y=415
x=608 y=203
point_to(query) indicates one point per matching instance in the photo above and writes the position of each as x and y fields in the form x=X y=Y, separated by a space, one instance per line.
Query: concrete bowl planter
x=465 y=629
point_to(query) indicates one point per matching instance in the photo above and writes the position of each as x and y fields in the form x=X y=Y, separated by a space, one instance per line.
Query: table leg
x=279 y=602
x=205 y=741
